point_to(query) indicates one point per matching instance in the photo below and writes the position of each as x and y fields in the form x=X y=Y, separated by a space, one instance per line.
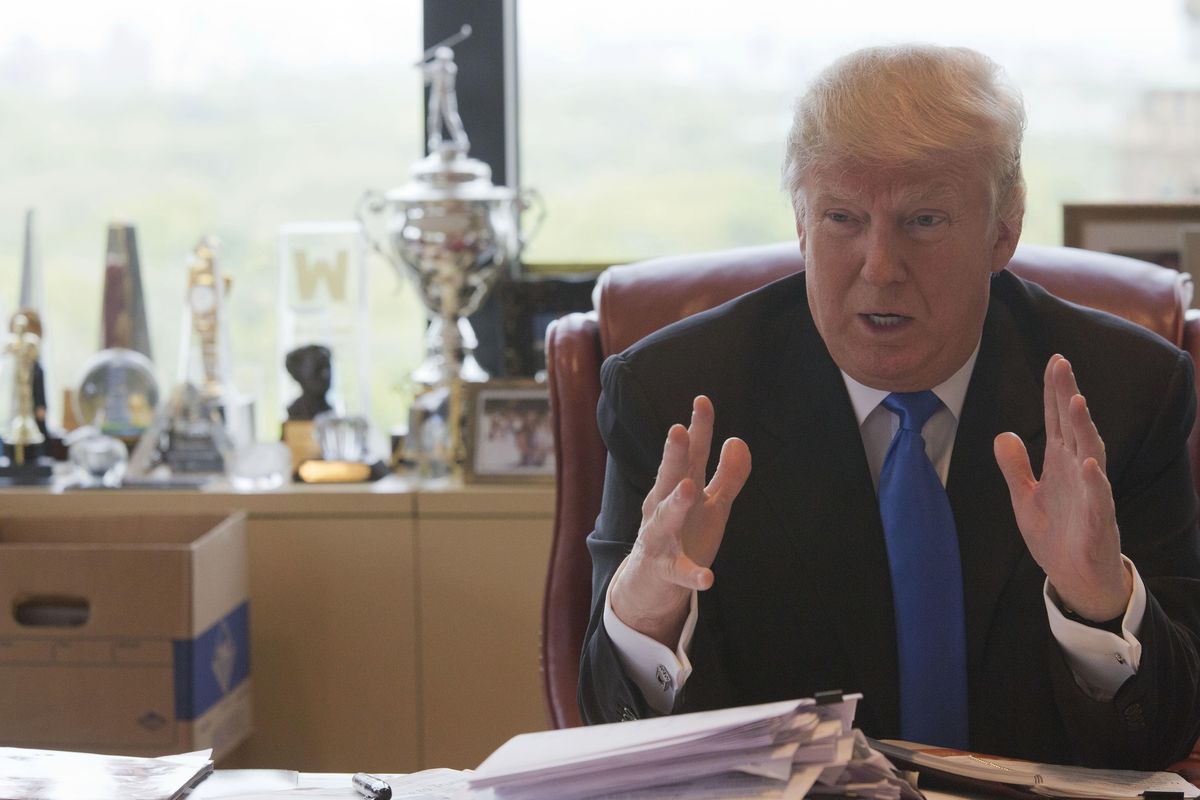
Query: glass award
x=323 y=317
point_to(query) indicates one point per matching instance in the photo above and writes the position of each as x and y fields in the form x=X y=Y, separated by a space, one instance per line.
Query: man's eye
x=837 y=216
x=927 y=220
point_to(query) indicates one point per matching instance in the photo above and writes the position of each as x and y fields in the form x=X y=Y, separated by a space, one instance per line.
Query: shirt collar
x=952 y=391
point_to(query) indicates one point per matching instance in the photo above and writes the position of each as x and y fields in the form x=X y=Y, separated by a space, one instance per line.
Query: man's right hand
x=681 y=531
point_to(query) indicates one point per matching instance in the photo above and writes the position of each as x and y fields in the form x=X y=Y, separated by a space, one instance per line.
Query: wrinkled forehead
x=939 y=183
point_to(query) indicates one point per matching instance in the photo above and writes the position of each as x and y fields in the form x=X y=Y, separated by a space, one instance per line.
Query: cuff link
x=664 y=678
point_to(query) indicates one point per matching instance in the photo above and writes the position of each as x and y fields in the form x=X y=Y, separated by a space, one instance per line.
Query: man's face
x=899 y=266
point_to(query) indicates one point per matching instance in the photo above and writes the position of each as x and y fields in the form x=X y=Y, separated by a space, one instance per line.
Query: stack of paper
x=775 y=750
x=1047 y=780
x=55 y=775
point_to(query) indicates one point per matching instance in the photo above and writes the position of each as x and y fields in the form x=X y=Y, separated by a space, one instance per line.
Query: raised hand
x=1068 y=518
x=682 y=527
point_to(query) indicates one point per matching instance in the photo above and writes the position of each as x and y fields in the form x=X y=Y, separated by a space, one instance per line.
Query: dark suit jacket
x=802 y=599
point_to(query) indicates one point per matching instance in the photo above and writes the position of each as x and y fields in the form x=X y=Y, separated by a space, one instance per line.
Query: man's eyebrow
x=930 y=193
x=837 y=197
x=940 y=192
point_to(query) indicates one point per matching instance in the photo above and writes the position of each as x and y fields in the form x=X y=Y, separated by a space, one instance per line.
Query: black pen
x=371 y=787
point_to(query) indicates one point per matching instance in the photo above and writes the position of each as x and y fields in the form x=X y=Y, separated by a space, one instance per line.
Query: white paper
x=30 y=774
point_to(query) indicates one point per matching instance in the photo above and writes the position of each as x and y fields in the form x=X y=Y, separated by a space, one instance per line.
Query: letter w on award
x=318 y=273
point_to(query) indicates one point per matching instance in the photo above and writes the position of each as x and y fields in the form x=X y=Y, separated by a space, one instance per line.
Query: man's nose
x=882 y=261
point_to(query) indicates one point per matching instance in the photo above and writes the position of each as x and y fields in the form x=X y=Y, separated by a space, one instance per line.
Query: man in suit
x=909 y=554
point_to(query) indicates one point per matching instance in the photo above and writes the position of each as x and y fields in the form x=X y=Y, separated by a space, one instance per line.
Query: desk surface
x=429 y=785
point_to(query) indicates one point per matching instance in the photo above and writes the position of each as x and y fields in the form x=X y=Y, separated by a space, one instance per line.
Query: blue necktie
x=927 y=590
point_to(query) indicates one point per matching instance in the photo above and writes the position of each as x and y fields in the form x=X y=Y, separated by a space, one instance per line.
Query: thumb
x=1013 y=460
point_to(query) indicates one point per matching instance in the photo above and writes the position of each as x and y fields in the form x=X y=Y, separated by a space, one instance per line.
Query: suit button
x=627 y=714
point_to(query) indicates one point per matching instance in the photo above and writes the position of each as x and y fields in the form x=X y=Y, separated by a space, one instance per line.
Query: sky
x=184 y=42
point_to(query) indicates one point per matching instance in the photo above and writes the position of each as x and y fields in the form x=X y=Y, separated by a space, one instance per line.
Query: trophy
x=205 y=417
x=453 y=231
x=119 y=392
x=23 y=462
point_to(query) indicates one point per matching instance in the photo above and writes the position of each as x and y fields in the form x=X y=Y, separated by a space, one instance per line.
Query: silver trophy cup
x=453 y=232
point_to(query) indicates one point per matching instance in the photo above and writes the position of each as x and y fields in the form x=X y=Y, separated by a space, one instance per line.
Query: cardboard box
x=125 y=634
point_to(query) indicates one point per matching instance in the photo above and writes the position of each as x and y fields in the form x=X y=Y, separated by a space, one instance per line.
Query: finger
x=1064 y=390
x=1099 y=489
x=700 y=438
x=1088 y=443
x=733 y=468
x=1049 y=403
x=689 y=574
x=671 y=470
x=663 y=536
x=1013 y=460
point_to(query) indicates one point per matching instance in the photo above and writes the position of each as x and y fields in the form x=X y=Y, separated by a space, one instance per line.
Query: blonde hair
x=910 y=106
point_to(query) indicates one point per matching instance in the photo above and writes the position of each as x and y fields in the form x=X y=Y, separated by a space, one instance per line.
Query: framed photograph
x=527 y=307
x=509 y=435
x=1167 y=234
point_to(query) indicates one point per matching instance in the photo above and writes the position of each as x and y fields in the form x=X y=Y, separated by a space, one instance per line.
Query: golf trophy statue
x=454 y=232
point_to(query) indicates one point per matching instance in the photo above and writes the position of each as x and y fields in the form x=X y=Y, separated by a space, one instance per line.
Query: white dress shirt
x=1101 y=661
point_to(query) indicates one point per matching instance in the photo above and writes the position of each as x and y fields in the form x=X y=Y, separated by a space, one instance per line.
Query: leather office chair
x=635 y=300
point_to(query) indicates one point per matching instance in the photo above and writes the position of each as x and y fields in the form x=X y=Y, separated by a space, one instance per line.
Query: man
x=899 y=398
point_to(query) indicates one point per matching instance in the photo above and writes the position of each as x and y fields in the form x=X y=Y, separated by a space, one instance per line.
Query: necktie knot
x=913 y=408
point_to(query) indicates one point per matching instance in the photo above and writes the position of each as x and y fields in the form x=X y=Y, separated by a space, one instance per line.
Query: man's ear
x=801 y=234
x=1008 y=233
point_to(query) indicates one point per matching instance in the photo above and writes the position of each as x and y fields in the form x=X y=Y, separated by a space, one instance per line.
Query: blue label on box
x=212 y=665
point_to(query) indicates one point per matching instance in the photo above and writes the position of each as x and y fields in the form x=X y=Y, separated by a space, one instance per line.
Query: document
x=1032 y=779
x=779 y=750
x=29 y=774
x=254 y=784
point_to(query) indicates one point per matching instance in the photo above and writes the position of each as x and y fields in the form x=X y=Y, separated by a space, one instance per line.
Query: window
x=649 y=128
x=199 y=118
x=657 y=128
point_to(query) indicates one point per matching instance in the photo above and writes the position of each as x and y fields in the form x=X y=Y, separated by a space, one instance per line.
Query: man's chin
x=894 y=375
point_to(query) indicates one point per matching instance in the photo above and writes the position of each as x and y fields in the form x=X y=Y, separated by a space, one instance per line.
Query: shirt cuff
x=1101 y=661
x=653 y=668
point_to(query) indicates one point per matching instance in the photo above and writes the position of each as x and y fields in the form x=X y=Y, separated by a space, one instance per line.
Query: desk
x=247 y=784
x=336 y=786
x=373 y=609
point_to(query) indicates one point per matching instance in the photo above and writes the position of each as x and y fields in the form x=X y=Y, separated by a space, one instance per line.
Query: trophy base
x=33 y=469
x=192 y=454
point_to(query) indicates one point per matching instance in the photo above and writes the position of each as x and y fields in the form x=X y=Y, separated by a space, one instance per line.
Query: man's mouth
x=886 y=320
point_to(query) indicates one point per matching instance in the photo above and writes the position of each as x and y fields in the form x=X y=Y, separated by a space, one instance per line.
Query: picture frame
x=509 y=434
x=1167 y=234
x=527 y=307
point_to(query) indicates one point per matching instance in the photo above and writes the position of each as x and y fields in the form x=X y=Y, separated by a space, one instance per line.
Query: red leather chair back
x=638 y=299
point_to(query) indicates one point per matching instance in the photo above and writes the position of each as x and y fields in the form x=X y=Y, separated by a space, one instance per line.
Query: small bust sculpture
x=311 y=366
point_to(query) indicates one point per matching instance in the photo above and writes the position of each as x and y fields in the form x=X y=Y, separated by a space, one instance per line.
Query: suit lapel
x=1005 y=394
x=817 y=485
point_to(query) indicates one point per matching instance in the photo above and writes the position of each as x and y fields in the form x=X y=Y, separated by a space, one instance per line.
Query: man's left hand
x=1068 y=518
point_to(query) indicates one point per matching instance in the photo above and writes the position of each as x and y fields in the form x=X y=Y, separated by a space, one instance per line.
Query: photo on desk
x=509 y=434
